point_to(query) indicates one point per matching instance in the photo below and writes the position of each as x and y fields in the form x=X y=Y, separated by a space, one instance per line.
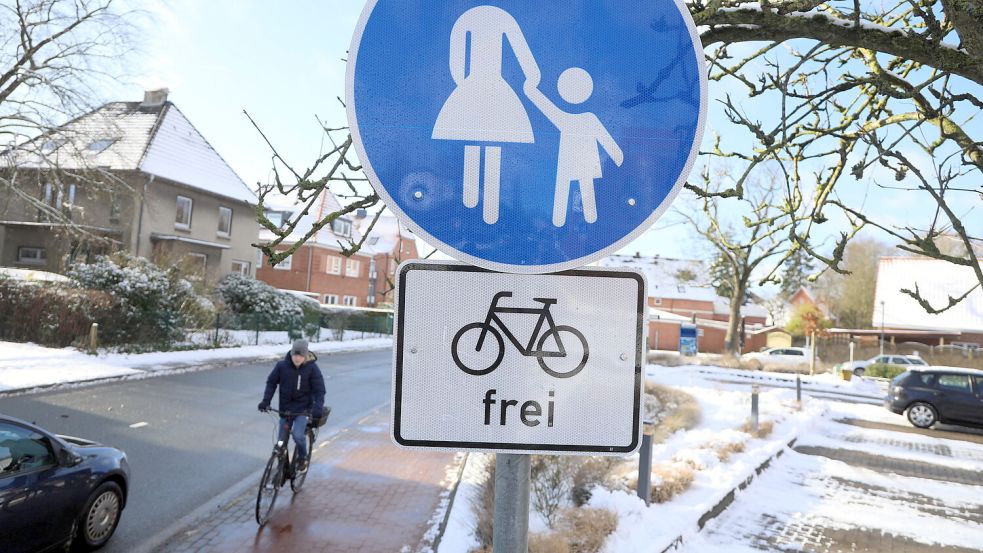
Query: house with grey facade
x=135 y=177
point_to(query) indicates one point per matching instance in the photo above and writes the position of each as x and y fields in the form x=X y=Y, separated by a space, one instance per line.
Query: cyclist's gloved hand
x=263 y=406
x=317 y=414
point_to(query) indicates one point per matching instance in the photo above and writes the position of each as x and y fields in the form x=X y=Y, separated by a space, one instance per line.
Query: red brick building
x=679 y=294
x=318 y=268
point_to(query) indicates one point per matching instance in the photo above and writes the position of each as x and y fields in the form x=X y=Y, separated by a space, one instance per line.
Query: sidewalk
x=26 y=367
x=362 y=495
x=851 y=488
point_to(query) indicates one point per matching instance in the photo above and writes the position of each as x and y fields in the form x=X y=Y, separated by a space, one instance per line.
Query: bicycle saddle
x=545 y=301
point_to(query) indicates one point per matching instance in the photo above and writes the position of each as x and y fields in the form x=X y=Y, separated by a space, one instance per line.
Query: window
x=956 y=382
x=23 y=450
x=114 y=208
x=31 y=255
x=182 y=219
x=351 y=301
x=196 y=263
x=353 y=267
x=71 y=194
x=332 y=265
x=48 y=194
x=882 y=359
x=100 y=145
x=373 y=240
x=242 y=268
x=342 y=227
x=917 y=361
x=331 y=299
x=372 y=274
x=285 y=264
x=658 y=301
x=52 y=145
x=224 y=221
x=978 y=380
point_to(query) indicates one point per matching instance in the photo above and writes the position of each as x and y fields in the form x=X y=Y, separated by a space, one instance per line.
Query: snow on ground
x=25 y=366
x=797 y=494
x=654 y=527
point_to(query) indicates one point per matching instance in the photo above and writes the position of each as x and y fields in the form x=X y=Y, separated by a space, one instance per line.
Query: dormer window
x=342 y=227
x=52 y=145
x=100 y=145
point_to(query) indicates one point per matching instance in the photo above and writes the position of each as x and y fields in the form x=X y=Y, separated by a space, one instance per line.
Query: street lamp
x=882 y=327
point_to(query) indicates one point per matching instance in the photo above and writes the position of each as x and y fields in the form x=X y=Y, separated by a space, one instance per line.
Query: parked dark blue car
x=938 y=394
x=56 y=490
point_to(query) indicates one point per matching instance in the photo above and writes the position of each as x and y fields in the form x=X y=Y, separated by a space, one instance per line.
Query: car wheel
x=99 y=518
x=922 y=415
x=859 y=371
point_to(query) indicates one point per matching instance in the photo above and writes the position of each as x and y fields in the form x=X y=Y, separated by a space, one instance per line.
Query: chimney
x=638 y=255
x=361 y=213
x=154 y=98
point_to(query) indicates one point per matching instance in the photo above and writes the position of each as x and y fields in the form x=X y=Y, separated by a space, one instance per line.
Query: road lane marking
x=138 y=425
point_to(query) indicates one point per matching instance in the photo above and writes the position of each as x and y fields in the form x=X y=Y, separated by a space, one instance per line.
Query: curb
x=442 y=527
x=728 y=499
x=177 y=369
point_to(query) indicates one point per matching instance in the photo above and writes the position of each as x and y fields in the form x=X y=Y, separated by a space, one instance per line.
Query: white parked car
x=860 y=367
x=781 y=356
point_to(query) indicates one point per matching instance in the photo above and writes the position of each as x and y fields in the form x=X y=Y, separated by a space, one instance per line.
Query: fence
x=836 y=349
x=231 y=329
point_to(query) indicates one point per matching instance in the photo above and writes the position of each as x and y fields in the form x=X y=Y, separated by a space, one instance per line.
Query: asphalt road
x=202 y=433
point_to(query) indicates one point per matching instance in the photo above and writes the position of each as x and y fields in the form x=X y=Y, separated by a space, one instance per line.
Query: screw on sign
x=526 y=137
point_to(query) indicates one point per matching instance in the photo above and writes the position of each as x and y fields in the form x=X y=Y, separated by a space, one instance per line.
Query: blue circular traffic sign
x=527 y=136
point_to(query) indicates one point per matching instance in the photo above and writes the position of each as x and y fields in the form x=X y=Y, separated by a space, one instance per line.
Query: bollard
x=754 y=409
x=94 y=338
x=510 y=530
x=798 y=389
x=645 y=463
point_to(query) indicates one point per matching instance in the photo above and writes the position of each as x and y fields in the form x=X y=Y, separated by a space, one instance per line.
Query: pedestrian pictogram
x=526 y=137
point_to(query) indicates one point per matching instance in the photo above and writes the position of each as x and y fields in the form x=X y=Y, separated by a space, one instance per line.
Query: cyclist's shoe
x=302 y=465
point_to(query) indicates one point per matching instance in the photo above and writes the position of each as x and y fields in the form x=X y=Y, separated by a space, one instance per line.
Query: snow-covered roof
x=661 y=270
x=386 y=234
x=326 y=237
x=130 y=136
x=937 y=281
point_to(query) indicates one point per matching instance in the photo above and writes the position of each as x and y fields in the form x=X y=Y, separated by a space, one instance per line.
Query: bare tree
x=882 y=92
x=745 y=236
x=55 y=55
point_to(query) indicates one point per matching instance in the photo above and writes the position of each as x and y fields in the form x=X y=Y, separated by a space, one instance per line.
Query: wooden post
x=812 y=355
x=93 y=338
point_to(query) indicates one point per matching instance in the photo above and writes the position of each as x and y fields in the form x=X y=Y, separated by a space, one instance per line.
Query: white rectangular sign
x=517 y=363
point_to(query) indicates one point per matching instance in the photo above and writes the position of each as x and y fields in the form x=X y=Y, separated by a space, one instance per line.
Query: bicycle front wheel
x=269 y=487
x=571 y=354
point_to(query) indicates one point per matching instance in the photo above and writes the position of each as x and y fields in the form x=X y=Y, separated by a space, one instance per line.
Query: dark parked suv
x=56 y=490
x=938 y=394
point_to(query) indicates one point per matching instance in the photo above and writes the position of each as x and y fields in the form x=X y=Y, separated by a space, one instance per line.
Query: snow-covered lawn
x=25 y=366
x=654 y=527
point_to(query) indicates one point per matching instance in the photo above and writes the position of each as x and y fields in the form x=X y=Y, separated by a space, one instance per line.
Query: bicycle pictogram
x=558 y=333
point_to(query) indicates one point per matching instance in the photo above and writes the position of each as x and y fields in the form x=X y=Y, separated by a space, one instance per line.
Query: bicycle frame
x=544 y=316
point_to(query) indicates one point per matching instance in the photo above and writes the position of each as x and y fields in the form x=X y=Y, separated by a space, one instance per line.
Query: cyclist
x=301 y=390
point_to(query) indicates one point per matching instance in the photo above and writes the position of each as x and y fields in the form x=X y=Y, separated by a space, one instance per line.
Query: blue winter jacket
x=301 y=388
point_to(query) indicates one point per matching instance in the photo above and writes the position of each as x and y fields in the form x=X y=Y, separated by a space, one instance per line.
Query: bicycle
x=545 y=317
x=282 y=465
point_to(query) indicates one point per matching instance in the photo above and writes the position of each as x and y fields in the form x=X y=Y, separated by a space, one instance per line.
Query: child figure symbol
x=483 y=108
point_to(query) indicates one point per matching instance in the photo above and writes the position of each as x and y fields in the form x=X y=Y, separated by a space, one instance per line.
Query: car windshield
x=917 y=361
x=900 y=378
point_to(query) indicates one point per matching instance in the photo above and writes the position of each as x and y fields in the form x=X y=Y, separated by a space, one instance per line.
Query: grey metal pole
x=798 y=389
x=754 y=410
x=510 y=532
x=645 y=463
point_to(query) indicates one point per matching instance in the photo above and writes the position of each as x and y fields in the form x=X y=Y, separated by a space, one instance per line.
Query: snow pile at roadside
x=654 y=527
x=24 y=366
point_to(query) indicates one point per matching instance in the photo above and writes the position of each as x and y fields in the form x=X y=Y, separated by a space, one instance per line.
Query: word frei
x=529 y=413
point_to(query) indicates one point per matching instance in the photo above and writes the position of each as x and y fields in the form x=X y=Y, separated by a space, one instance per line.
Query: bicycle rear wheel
x=297 y=482
x=269 y=487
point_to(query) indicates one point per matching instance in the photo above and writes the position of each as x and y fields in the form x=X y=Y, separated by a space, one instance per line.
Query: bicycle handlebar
x=287 y=413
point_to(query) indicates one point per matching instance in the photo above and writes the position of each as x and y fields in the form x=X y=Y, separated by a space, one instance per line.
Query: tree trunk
x=732 y=342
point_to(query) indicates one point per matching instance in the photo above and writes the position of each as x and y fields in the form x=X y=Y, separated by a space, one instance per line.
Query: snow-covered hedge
x=251 y=304
x=156 y=303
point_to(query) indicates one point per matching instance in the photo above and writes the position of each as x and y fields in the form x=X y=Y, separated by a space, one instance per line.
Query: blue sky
x=282 y=61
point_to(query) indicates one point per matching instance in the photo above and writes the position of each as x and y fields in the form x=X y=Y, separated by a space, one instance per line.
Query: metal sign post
x=510 y=531
x=526 y=138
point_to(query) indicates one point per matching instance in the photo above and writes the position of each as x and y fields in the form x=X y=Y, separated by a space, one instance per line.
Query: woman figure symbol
x=484 y=108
